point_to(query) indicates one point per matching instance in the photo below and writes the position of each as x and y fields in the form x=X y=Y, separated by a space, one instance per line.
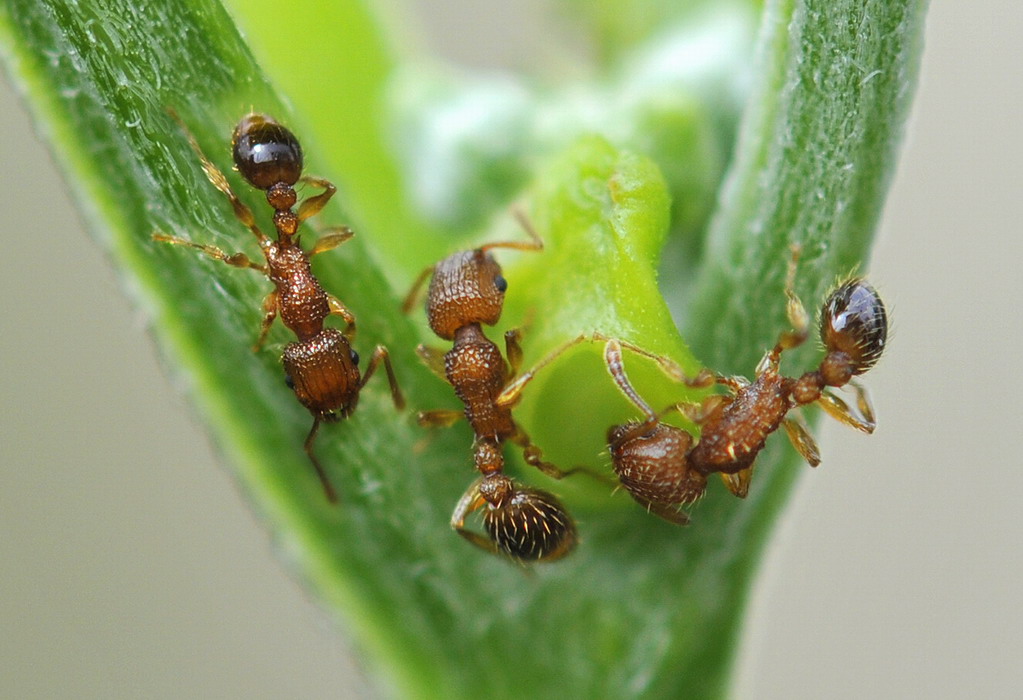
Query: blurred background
x=130 y=566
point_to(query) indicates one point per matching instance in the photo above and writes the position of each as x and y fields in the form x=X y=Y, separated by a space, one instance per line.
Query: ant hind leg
x=216 y=177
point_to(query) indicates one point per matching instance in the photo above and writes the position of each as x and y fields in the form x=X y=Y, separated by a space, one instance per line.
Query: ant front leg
x=433 y=358
x=380 y=354
x=469 y=503
x=312 y=205
x=417 y=287
x=439 y=418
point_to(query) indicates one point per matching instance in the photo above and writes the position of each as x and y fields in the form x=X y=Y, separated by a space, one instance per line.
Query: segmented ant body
x=320 y=366
x=466 y=291
x=664 y=467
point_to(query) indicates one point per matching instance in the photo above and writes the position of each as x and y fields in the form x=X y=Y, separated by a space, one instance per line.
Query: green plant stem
x=642 y=609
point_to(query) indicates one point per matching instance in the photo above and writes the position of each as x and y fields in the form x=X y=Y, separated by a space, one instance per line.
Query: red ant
x=467 y=290
x=664 y=467
x=320 y=366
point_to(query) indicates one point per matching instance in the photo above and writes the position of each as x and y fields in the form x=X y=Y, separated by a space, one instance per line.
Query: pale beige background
x=130 y=567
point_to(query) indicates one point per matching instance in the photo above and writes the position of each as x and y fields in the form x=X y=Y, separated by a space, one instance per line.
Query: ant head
x=526 y=524
x=466 y=288
x=323 y=373
x=854 y=322
x=653 y=465
x=265 y=153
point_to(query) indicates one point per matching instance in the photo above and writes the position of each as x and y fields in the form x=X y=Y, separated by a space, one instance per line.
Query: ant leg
x=513 y=351
x=735 y=384
x=840 y=411
x=331 y=239
x=534 y=458
x=864 y=405
x=469 y=503
x=616 y=366
x=339 y=309
x=512 y=392
x=269 y=314
x=534 y=242
x=413 y=294
x=312 y=205
x=797 y=316
x=439 y=418
x=328 y=488
x=433 y=358
x=705 y=378
x=380 y=355
x=236 y=260
x=801 y=439
x=738 y=483
x=213 y=174
x=672 y=514
x=699 y=412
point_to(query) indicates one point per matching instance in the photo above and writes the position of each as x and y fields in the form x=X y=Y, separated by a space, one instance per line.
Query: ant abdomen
x=653 y=466
x=528 y=524
x=466 y=288
x=323 y=372
x=265 y=152
x=854 y=322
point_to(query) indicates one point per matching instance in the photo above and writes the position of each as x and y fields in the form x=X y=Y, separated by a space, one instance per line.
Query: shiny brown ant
x=467 y=290
x=320 y=366
x=664 y=467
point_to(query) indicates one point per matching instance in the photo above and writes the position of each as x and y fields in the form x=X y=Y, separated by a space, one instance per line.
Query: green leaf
x=642 y=608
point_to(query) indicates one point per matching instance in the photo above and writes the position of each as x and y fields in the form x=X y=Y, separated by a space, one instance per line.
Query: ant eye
x=266 y=153
x=355 y=357
x=289 y=381
x=501 y=284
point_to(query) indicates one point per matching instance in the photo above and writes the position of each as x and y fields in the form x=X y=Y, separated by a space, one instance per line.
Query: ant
x=467 y=290
x=320 y=366
x=664 y=467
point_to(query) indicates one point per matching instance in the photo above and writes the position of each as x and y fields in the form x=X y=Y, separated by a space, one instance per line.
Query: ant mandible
x=664 y=468
x=320 y=366
x=467 y=290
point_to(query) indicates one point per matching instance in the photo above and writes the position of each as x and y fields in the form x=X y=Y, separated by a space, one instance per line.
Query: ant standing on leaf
x=320 y=366
x=664 y=467
x=467 y=290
